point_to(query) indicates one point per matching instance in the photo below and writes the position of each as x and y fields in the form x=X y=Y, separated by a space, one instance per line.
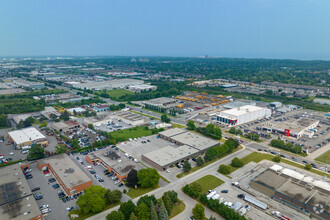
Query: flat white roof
x=77 y=109
x=25 y=135
x=242 y=110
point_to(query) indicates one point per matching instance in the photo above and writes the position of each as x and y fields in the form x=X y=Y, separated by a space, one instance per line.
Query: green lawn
x=180 y=175
x=135 y=132
x=208 y=182
x=116 y=93
x=133 y=193
x=177 y=209
x=257 y=157
x=149 y=116
x=324 y=158
x=177 y=126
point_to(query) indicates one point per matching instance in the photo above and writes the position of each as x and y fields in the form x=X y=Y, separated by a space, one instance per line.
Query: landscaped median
x=257 y=157
x=133 y=193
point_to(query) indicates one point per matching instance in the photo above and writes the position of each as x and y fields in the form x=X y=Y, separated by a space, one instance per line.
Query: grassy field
x=180 y=175
x=257 y=157
x=133 y=193
x=177 y=209
x=149 y=116
x=131 y=133
x=177 y=126
x=116 y=93
x=208 y=182
x=324 y=158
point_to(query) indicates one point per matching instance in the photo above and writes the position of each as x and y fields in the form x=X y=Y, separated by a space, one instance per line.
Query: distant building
x=19 y=118
x=109 y=84
x=28 y=84
x=67 y=174
x=161 y=102
x=243 y=114
x=143 y=87
x=27 y=136
x=65 y=126
x=101 y=108
x=275 y=105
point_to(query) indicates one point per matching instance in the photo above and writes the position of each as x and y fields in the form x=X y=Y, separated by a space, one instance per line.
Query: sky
x=295 y=29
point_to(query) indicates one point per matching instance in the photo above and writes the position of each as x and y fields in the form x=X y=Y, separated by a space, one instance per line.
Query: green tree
x=115 y=215
x=172 y=195
x=277 y=158
x=132 y=179
x=93 y=200
x=147 y=200
x=153 y=213
x=75 y=143
x=36 y=152
x=199 y=161
x=60 y=149
x=143 y=212
x=165 y=119
x=224 y=169
x=3 y=121
x=148 y=177
x=127 y=208
x=308 y=166
x=199 y=212
x=168 y=204
x=191 y=125
x=113 y=196
x=133 y=217
x=162 y=213
x=186 y=166
x=90 y=126
x=195 y=186
x=52 y=116
x=236 y=162
x=232 y=130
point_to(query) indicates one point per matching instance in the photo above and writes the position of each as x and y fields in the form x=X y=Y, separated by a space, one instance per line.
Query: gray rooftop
x=172 y=132
x=168 y=155
x=195 y=140
x=16 y=199
x=160 y=101
x=67 y=170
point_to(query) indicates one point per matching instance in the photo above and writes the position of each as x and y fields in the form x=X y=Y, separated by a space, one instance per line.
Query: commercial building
x=275 y=105
x=188 y=145
x=27 y=136
x=243 y=114
x=78 y=110
x=143 y=87
x=18 y=118
x=294 y=127
x=68 y=175
x=28 y=84
x=114 y=161
x=124 y=116
x=169 y=155
x=16 y=199
x=101 y=108
x=161 y=102
x=298 y=190
x=109 y=84
x=65 y=126
x=49 y=111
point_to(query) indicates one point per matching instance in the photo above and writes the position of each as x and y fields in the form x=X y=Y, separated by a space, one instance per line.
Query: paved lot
x=6 y=148
x=50 y=197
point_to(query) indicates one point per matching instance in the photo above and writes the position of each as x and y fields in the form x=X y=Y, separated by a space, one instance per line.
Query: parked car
x=38 y=196
x=224 y=191
x=51 y=180
x=35 y=189
x=120 y=184
x=44 y=211
x=63 y=200
x=69 y=209
x=44 y=206
x=55 y=186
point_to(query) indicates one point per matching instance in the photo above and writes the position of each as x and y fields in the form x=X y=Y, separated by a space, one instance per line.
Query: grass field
x=149 y=116
x=180 y=175
x=131 y=133
x=257 y=157
x=208 y=182
x=177 y=126
x=133 y=193
x=177 y=209
x=324 y=158
x=116 y=93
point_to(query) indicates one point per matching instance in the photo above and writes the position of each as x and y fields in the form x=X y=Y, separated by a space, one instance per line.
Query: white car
x=43 y=206
x=167 y=170
x=48 y=174
x=11 y=153
x=44 y=211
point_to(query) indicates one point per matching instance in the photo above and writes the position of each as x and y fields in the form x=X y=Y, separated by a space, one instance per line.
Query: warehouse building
x=27 y=136
x=143 y=87
x=16 y=199
x=68 y=175
x=161 y=102
x=28 y=84
x=294 y=127
x=114 y=161
x=101 y=108
x=109 y=84
x=65 y=126
x=298 y=190
x=18 y=118
x=128 y=118
x=169 y=155
x=243 y=114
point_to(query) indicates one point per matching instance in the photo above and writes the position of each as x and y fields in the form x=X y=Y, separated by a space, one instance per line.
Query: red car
x=46 y=171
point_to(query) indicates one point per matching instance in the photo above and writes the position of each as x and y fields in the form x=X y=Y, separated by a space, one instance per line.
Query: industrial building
x=109 y=84
x=18 y=118
x=161 y=102
x=143 y=87
x=27 y=136
x=28 y=84
x=101 y=108
x=188 y=145
x=49 y=111
x=128 y=118
x=243 y=114
x=114 y=161
x=298 y=190
x=65 y=126
x=169 y=155
x=67 y=174
x=275 y=105
x=294 y=127
x=78 y=110
x=16 y=199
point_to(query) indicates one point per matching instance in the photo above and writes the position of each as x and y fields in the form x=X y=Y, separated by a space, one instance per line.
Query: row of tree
x=226 y=169
x=144 y=178
x=220 y=150
x=286 y=146
x=209 y=130
x=213 y=204
x=147 y=208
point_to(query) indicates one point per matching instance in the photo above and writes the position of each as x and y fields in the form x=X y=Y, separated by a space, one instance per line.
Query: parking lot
x=116 y=125
x=50 y=196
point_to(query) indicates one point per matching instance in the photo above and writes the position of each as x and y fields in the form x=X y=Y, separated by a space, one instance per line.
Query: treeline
x=286 y=146
x=211 y=131
x=163 y=110
x=96 y=99
x=213 y=204
x=220 y=150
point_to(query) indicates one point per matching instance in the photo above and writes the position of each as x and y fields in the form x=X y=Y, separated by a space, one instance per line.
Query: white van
x=25 y=151
x=26 y=147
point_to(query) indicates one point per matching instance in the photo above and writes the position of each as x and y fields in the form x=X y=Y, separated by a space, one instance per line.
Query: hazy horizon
x=270 y=29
